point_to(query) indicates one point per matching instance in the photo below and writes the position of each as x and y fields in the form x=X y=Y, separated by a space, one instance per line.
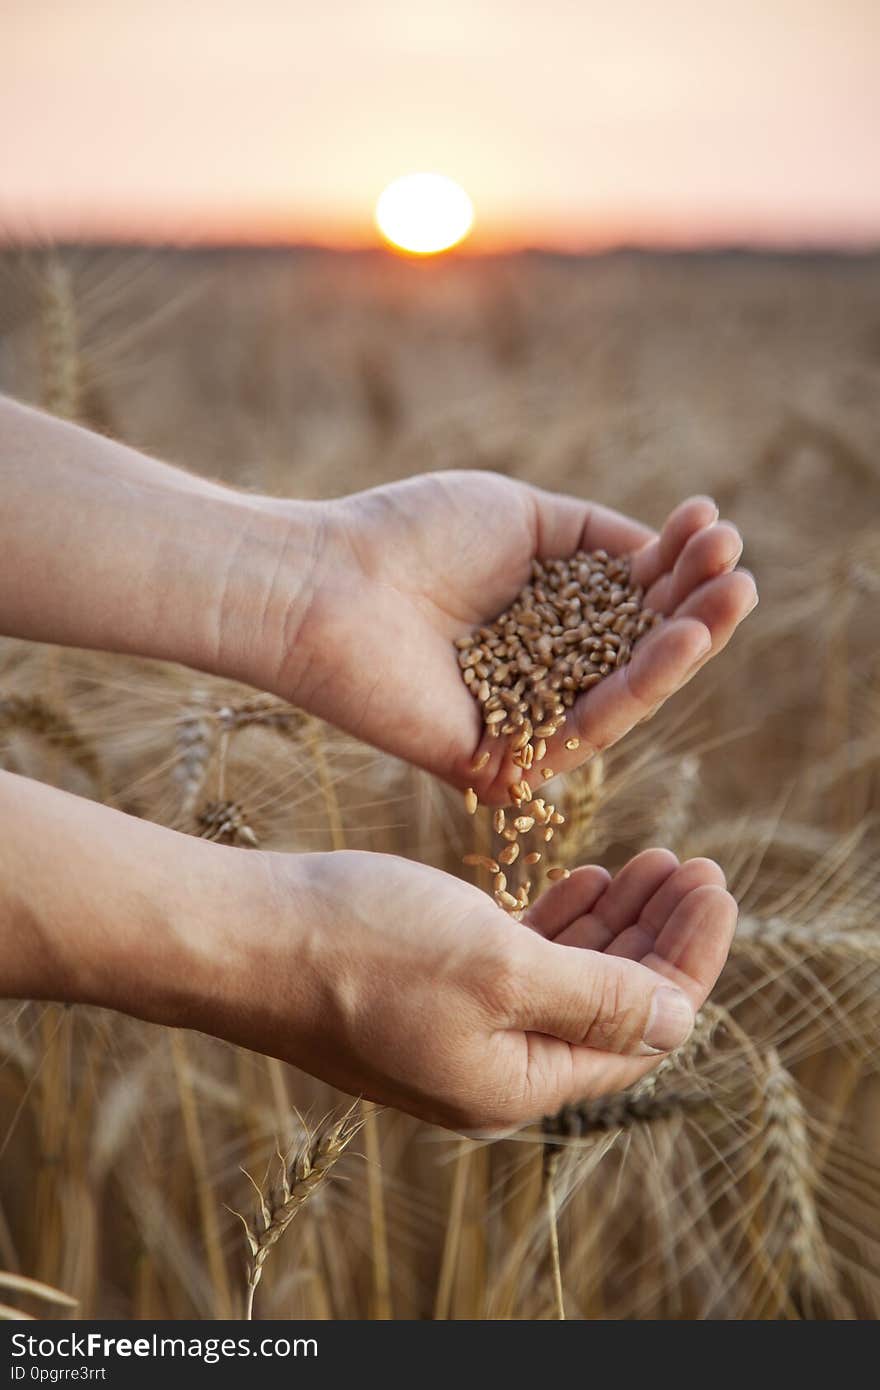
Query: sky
x=575 y=124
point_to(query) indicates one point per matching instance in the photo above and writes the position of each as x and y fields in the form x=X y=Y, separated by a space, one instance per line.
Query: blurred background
x=671 y=283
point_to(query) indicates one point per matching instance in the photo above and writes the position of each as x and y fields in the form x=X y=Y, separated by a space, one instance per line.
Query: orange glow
x=573 y=127
x=424 y=214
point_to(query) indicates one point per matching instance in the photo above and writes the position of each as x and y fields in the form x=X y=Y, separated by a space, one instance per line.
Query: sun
x=424 y=213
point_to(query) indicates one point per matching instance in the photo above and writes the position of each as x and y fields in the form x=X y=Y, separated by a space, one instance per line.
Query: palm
x=676 y=919
x=438 y=554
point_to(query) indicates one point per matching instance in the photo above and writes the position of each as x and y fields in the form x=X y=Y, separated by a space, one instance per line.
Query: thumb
x=604 y=1002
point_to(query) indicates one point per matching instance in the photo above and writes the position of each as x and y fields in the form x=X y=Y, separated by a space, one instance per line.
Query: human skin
x=348 y=609
x=442 y=1006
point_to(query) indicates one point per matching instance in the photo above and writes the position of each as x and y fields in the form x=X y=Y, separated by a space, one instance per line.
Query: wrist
x=235 y=582
x=102 y=908
x=245 y=609
x=244 y=957
x=266 y=604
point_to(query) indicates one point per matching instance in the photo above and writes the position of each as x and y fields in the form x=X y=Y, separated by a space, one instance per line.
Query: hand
x=446 y=1008
x=348 y=608
x=405 y=569
x=384 y=977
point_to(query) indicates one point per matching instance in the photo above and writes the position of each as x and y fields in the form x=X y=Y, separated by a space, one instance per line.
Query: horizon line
x=853 y=248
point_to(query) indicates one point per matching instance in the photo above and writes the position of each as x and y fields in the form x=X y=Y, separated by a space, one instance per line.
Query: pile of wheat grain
x=575 y=622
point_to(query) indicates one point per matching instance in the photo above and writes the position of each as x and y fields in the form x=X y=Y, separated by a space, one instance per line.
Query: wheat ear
x=36 y=716
x=200 y=729
x=795 y=1237
x=297 y=1180
x=225 y=822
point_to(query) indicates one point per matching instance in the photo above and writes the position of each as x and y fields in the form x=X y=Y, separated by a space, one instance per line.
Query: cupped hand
x=407 y=568
x=410 y=987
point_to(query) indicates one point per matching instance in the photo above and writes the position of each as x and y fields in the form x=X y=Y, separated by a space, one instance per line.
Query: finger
x=714 y=550
x=637 y=940
x=625 y=898
x=638 y=915
x=692 y=947
x=662 y=662
x=567 y=900
x=699 y=936
x=693 y=873
x=659 y=555
x=720 y=604
x=559 y=1074
x=660 y=665
x=566 y=524
x=588 y=999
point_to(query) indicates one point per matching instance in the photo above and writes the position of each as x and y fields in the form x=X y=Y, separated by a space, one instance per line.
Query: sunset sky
x=572 y=123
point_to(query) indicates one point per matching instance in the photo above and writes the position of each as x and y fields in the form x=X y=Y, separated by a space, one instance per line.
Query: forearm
x=98 y=907
x=106 y=548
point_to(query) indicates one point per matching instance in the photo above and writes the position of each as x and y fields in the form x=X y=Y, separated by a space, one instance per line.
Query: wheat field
x=741 y=1182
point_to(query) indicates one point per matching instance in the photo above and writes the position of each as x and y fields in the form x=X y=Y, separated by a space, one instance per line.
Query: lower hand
x=383 y=977
x=407 y=986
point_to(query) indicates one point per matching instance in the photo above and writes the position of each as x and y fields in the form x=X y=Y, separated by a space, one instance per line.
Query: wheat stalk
x=59 y=342
x=297 y=1181
x=676 y=813
x=555 y=1260
x=815 y=938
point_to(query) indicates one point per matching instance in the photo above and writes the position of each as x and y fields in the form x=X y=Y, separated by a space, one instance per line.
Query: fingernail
x=669 y=1022
x=704 y=648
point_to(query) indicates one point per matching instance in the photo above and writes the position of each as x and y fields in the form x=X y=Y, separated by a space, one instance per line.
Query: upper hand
x=406 y=568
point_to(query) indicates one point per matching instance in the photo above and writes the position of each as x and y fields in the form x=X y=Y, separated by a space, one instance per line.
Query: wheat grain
x=481 y=861
x=571 y=625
